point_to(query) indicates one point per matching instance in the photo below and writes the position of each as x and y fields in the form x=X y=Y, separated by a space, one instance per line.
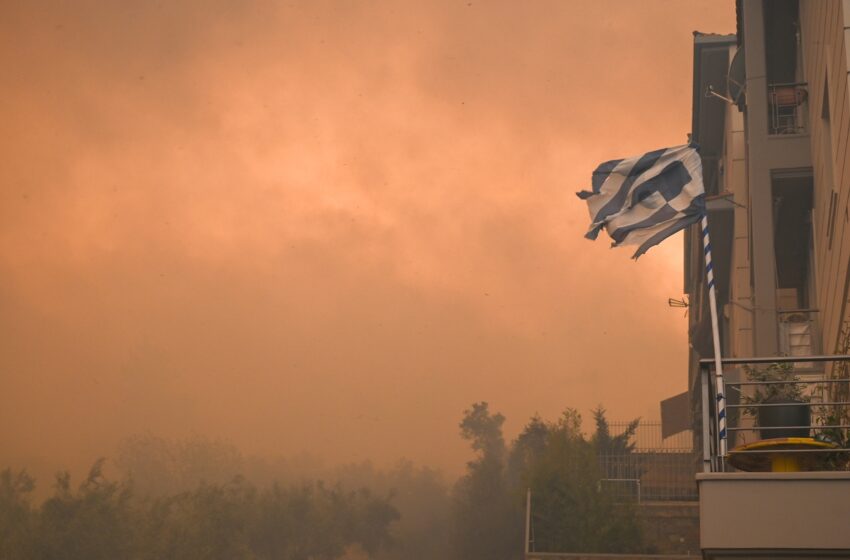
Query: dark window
x=792 y=226
x=785 y=83
x=781 y=31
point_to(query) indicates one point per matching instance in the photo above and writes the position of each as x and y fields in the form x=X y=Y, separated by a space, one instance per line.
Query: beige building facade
x=772 y=117
x=771 y=114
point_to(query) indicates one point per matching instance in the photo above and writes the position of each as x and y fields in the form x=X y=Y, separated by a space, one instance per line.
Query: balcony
x=788 y=105
x=798 y=336
x=781 y=491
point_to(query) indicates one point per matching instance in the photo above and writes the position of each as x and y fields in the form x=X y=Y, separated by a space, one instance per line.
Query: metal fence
x=651 y=476
x=655 y=469
x=647 y=437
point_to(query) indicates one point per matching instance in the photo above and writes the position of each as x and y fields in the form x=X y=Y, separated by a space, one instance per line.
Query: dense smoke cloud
x=327 y=227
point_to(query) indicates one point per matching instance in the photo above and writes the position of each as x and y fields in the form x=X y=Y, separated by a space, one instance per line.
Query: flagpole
x=715 y=331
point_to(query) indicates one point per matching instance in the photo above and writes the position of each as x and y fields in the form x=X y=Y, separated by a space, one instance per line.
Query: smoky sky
x=328 y=227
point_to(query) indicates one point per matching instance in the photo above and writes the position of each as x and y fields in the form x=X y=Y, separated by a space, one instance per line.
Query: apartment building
x=771 y=113
x=778 y=186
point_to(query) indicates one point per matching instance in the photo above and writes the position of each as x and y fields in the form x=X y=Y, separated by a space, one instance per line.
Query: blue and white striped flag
x=646 y=199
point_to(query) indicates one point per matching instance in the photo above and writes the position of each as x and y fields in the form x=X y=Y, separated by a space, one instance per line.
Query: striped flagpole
x=715 y=331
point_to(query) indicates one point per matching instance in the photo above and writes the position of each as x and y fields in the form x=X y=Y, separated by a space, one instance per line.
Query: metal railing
x=803 y=421
x=647 y=437
x=648 y=476
x=787 y=104
x=653 y=468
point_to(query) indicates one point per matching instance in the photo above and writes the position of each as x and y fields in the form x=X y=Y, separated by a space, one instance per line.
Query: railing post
x=706 y=420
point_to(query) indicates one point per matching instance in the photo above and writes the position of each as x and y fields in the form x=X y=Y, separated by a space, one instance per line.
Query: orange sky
x=328 y=227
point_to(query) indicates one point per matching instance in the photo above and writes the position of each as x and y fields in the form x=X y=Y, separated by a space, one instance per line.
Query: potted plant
x=789 y=414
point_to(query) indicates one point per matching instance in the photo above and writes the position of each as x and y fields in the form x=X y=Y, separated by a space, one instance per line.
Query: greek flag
x=646 y=199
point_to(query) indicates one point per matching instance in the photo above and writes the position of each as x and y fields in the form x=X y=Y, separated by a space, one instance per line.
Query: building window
x=786 y=87
x=792 y=225
x=792 y=242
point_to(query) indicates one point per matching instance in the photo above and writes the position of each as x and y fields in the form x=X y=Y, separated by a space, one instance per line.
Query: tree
x=16 y=515
x=572 y=511
x=312 y=521
x=605 y=443
x=214 y=521
x=210 y=522
x=90 y=523
x=487 y=520
x=421 y=496
x=527 y=450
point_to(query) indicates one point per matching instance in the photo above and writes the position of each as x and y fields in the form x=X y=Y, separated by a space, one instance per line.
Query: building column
x=765 y=329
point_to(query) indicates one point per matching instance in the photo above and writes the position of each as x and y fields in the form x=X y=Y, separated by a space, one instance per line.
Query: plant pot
x=788 y=414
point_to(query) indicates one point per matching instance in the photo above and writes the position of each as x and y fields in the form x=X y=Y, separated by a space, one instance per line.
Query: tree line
x=99 y=519
x=572 y=511
x=192 y=499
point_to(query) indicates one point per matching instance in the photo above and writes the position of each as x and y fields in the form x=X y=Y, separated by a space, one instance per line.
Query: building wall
x=824 y=28
x=740 y=308
x=766 y=154
x=741 y=301
x=752 y=158
x=672 y=527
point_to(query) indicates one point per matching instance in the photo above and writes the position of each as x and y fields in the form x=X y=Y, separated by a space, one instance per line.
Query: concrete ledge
x=820 y=475
x=580 y=556
x=774 y=511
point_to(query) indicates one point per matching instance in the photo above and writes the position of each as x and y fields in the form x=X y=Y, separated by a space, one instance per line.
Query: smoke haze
x=328 y=227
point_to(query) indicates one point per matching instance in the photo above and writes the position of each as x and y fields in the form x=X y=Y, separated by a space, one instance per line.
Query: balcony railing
x=800 y=423
x=787 y=103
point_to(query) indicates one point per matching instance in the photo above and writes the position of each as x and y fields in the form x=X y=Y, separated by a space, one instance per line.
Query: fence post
x=527 y=521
